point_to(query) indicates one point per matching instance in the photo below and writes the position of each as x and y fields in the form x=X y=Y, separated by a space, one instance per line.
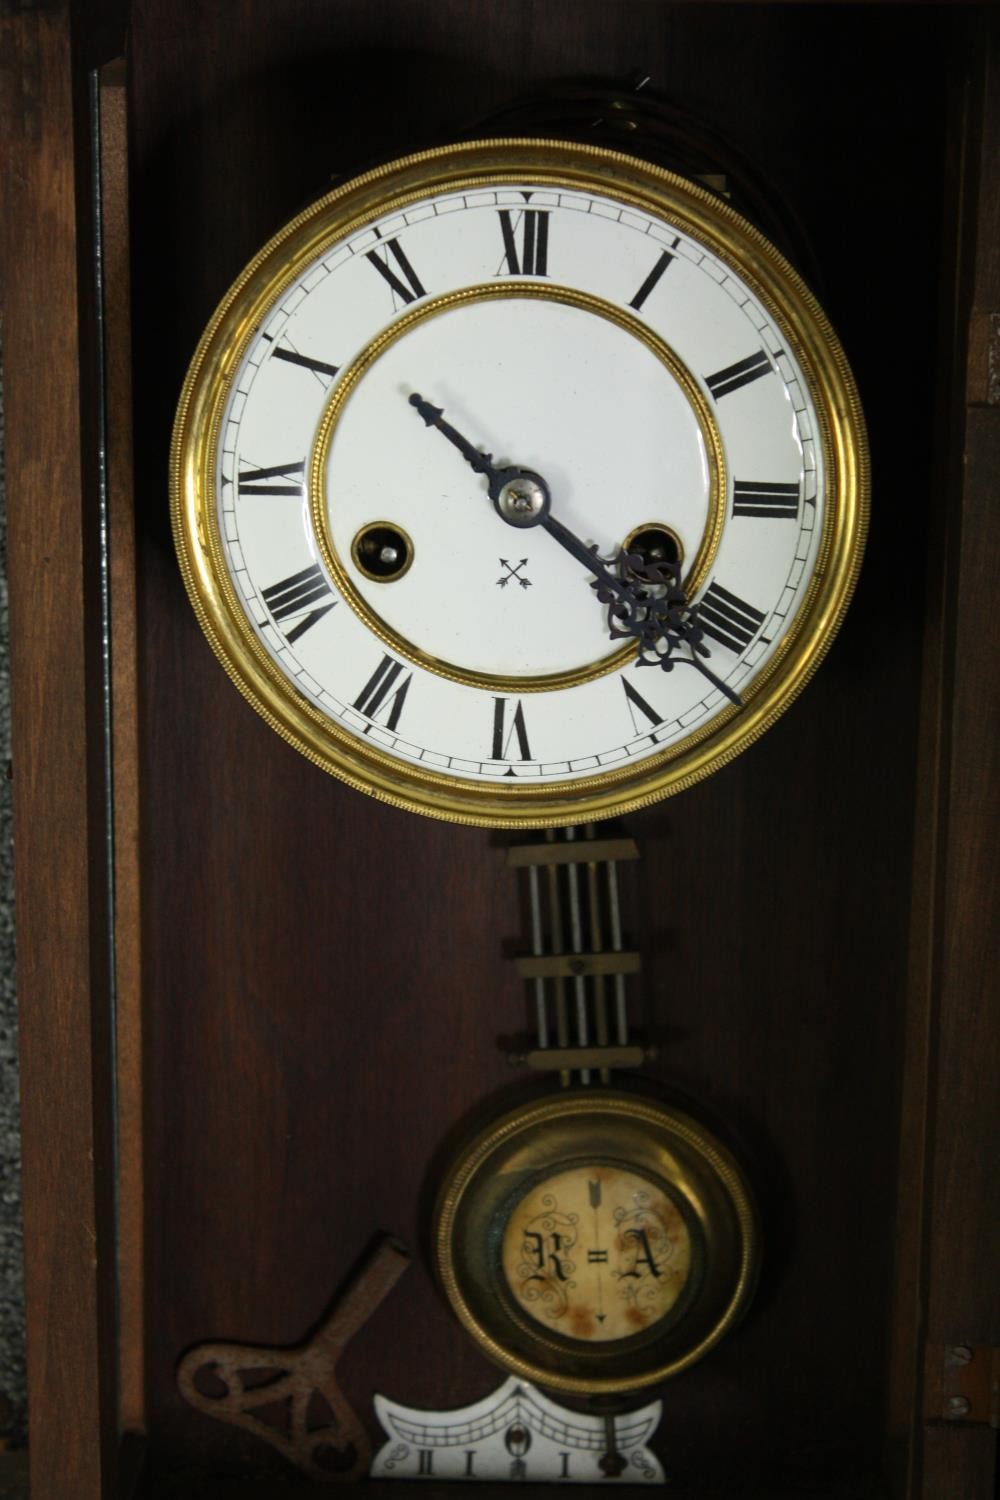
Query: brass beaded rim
x=347 y=384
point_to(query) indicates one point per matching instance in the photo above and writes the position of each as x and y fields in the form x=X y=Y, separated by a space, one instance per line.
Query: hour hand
x=482 y=462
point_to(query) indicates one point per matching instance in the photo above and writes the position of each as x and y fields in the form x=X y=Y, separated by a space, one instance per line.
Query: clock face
x=455 y=436
x=597 y=1252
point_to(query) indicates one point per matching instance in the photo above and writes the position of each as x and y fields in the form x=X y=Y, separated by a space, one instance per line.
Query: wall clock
x=519 y=483
x=228 y=128
x=525 y=483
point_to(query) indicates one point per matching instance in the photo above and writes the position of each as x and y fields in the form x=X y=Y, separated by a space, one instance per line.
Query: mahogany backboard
x=325 y=979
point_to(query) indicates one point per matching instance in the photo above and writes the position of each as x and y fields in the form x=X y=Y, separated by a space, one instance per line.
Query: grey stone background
x=13 y=1394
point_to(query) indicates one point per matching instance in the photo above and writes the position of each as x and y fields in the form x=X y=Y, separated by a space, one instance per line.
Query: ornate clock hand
x=658 y=625
x=482 y=462
x=527 y=504
x=665 y=621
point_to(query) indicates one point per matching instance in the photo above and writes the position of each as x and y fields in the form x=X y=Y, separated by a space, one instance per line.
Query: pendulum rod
x=614 y=908
x=597 y=943
x=577 y=983
x=538 y=983
x=576 y=939
x=559 y=983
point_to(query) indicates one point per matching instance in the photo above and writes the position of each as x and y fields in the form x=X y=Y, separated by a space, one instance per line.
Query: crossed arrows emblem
x=513 y=573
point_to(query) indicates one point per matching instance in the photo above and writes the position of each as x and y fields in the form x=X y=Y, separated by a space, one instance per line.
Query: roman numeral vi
x=508 y=725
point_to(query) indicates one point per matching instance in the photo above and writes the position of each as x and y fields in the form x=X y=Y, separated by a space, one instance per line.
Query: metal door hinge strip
x=967 y=1388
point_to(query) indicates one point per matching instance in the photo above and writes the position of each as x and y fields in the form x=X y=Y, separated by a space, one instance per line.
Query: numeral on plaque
x=519 y=1434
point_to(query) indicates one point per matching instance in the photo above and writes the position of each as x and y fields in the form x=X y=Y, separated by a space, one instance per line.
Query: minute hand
x=658 y=619
x=583 y=554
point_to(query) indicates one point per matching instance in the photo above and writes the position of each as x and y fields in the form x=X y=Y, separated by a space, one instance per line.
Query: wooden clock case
x=254 y=1003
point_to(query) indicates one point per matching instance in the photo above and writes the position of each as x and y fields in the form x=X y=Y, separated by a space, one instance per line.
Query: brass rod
x=614 y=908
x=576 y=939
x=541 y=1009
x=556 y=943
x=596 y=944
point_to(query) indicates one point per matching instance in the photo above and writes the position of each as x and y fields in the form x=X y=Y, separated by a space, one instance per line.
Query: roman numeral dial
x=582 y=323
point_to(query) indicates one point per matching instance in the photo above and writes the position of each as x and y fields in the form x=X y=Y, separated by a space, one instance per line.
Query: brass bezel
x=546 y=1136
x=650 y=189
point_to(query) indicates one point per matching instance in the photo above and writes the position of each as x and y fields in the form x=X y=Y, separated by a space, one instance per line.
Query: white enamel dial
x=560 y=323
